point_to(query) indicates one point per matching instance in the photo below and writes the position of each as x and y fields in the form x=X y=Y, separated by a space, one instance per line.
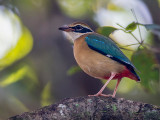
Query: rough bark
x=93 y=108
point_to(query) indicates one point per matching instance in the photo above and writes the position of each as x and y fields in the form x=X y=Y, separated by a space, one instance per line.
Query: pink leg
x=115 y=90
x=101 y=90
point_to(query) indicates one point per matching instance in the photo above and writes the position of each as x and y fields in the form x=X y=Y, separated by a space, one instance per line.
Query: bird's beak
x=66 y=29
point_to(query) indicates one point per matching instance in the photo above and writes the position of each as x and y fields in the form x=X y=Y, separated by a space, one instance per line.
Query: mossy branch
x=93 y=108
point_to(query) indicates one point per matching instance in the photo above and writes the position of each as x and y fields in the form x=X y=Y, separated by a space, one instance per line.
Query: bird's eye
x=78 y=27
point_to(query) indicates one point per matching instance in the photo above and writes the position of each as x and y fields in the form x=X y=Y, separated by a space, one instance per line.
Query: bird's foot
x=100 y=94
x=109 y=95
x=94 y=95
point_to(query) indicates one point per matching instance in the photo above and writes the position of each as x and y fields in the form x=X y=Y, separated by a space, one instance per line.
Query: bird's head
x=75 y=30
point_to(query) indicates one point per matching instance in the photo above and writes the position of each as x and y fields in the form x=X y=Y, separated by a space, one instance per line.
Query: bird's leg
x=101 y=90
x=115 y=90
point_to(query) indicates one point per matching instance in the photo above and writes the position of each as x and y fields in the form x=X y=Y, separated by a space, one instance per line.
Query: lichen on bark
x=94 y=108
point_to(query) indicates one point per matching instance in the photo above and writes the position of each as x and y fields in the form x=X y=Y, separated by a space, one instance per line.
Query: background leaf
x=131 y=27
x=151 y=26
x=125 y=86
x=145 y=61
x=22 y=48
x=154 y=28
x=18 y=74
x=46 y=95
x=73 y=70
x=106 y=31
x=16 y=102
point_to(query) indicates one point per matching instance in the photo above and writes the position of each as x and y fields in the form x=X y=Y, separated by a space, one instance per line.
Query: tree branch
x=93 y=108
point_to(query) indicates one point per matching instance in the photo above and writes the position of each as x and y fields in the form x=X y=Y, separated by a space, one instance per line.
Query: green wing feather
x=106 y=46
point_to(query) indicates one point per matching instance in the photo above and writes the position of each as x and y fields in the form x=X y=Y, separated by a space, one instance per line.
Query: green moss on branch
x=96 y=108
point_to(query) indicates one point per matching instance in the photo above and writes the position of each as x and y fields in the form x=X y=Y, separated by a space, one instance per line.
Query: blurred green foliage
x=13 y=71
x=73 y=70
x=15 y=76
x=131 y=27
x=16 y=102
x=106 y=30
x=23 y=47
x=145 y=62
x=46 y=95
x=114 y=7
x=75 y=8
x=126 y=85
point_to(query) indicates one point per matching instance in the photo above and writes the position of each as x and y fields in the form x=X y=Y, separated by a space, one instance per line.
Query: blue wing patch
x=107 y=47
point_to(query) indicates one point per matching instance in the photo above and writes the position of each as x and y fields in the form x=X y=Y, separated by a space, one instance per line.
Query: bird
x=99 y=56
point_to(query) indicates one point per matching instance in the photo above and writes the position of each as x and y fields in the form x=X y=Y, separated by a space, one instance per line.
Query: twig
x=129 y=33
x=137 y=25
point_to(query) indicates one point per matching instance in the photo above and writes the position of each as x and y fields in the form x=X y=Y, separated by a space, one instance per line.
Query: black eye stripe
x=84 y=30
x=78 y=27
x=81 y=29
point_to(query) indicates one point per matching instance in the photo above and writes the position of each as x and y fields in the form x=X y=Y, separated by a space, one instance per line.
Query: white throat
x=72 y=36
